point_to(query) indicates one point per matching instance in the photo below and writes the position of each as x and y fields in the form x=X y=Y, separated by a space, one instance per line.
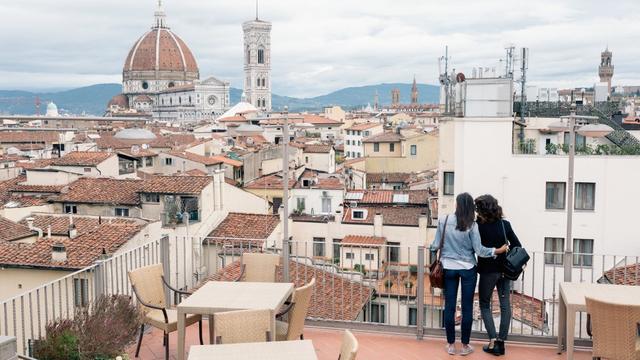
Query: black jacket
x=492 y=235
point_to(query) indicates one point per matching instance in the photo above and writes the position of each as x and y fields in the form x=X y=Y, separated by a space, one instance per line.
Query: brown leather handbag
x=436 y=270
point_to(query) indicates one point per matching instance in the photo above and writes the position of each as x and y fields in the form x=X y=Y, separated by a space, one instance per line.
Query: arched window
x=170 y=101
x=264 y=82
x=260 y=56
x=189 y=99
x=248 y=59
x=258 y=82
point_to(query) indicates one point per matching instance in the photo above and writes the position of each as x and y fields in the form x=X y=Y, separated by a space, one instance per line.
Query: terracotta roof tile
x=334 y=297
x=60 y=224
x=9 y=137
x=384 y=137
x=82 y=158
x=82 y=251
x=360 y=240
x=273 y=181
x=364 y=126
x=102 y=191
x=176 y=184
x=416 y=197
x=623 y=275
x=394 y=216
x=379 y=178
x=11 y=231
x=317 y=149
x=246 y=226
x=205 y=160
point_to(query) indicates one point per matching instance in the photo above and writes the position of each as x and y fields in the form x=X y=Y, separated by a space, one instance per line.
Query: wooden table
x=275 y=350
x=218 y=296
x=572 y=300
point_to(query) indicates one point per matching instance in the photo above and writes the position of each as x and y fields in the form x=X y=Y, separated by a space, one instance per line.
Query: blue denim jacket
x=460 y=245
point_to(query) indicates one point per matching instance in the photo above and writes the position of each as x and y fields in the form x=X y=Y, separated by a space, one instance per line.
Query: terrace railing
x=374 y=285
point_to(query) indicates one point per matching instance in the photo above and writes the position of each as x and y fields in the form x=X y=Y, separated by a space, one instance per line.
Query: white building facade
x=257 y=63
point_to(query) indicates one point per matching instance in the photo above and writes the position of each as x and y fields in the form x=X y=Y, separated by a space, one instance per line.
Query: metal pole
x=166 y=268
x=568 y=252
x=285 y=195
x=420 y=289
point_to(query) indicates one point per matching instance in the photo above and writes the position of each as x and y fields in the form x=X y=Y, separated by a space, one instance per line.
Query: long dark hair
x=488 y=209
x=465 y=211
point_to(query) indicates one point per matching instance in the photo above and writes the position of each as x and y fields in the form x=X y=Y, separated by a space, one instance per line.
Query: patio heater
x=568 y=123
x=285 y=195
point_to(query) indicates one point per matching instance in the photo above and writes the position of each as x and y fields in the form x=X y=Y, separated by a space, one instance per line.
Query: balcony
x=382 y=310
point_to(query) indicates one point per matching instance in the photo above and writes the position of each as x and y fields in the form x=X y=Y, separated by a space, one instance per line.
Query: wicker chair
x=259 y=267
x=297 y=312
x=615 y=330
x=349 y=348
x=243 y=326
x=148 y=285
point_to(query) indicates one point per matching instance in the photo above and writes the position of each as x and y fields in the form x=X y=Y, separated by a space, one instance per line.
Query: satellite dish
x=460 y=77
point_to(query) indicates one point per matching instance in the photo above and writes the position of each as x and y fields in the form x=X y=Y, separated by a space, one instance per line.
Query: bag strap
x=504 y=232
x=444 y=230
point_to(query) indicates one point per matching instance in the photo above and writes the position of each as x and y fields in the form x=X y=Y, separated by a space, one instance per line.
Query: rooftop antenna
x=256 y=9
x=509 y=61
x=445 y=80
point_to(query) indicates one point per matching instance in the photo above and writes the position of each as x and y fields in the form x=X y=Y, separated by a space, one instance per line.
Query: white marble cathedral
x=161 y=77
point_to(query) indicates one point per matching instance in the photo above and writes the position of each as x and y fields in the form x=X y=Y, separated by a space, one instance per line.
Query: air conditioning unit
x=353 y=204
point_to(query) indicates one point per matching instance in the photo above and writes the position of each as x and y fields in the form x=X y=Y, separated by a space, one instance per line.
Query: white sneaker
x=466 y=350
x=451 y=349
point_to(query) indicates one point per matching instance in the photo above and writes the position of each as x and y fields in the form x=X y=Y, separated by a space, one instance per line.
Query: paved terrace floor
x=373 y=346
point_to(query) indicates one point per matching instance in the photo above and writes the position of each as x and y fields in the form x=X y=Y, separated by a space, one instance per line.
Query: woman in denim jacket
x=458 y=255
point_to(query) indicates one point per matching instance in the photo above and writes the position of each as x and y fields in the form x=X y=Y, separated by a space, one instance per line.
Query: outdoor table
x=219 y=296
x=572 y=300
x=275 y=350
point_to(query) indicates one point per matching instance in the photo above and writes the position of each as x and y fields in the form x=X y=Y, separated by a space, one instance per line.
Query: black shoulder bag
x=515 y=260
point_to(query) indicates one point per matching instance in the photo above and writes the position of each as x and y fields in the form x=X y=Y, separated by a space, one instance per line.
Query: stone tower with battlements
x=257 y=63
x=606 y=68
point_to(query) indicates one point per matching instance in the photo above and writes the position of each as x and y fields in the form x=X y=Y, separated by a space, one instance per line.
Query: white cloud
x=320 y=46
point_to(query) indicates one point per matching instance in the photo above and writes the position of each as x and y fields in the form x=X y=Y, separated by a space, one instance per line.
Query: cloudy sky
x=321 y=46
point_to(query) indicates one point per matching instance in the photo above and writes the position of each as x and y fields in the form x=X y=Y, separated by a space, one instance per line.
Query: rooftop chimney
x=73 y=232
x=58 y=253
x=31 y=227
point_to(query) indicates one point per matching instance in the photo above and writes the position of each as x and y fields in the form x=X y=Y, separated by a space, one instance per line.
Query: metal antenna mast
x=445 y=80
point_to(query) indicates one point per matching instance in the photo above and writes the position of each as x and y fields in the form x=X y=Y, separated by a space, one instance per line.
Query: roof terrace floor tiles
x=373 y=346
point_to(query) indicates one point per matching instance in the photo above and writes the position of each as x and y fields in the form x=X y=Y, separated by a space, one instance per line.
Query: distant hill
x=93 y=99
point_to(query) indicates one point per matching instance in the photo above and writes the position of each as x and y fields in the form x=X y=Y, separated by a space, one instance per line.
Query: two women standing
x=463 y=240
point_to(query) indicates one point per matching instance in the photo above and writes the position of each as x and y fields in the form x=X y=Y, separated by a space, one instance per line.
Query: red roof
x=273 y=181
x=246 y=226
x=393 y=216
x=176 y=184
x=360 y=240
x=364 y=126
x=161 y=50
x=82 y=158
x=102 y=191
x=205 y=160
x=11 y=231
x=317 y=149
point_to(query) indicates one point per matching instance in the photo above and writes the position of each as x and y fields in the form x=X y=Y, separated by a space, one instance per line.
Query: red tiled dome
x=173 y=53
x=119 y=100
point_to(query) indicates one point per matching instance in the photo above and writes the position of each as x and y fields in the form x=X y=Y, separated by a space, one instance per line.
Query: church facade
x=161 y=77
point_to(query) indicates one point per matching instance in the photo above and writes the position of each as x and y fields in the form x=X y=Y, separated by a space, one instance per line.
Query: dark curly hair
x=488 y=209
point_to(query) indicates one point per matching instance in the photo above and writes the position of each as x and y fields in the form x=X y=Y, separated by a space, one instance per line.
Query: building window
x=168 y=161
x=80 y=292
x=300 y=205
x=555 y=195
x=260 y=56
x=348 y=142
x=449 y=179
x=148 y=161
x=553 y=248
x=152 y=198
x=394 y=252
x=359 y=143
x=348 y=256
x=414 y=149
x=145 y=85
x=336 y=250
x=366 y=133
x=87 y=170
x=581 y=141
x=318 y=247
x=377 y=313
x=413 y=316
x=392 y=147
x=357 y=214
x=583 y=252
x=70 y=209
x=123 y=212
x=326 y=205
x=368 y=257
x=585 y=196
x=376 y=147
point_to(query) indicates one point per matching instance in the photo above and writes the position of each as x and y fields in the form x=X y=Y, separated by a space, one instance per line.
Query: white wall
x=313 y=200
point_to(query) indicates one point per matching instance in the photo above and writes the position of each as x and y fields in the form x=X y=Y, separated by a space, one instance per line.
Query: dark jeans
x=489 y=281
x=451 y=280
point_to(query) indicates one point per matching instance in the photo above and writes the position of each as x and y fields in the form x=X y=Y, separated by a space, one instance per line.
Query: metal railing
x=380 y=285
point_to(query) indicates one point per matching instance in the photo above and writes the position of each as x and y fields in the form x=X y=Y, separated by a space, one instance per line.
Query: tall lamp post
x=285 y=195
x=569 y=123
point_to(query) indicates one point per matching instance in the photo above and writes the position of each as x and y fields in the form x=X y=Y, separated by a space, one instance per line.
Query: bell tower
x=414 y=92
x=257 y=62
x=606 y=68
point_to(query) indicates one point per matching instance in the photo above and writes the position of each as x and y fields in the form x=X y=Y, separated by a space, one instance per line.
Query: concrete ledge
x=8 y=348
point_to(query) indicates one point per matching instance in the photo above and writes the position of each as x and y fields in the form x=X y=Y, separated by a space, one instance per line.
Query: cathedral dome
x=120 y=101
x=160 y=51
x=52 y=109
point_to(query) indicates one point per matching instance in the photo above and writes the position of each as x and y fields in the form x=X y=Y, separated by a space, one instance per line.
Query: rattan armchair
x=297 y=312
x=243 y=326
x=615 y=330
x=259 y=267
x=148 y=285
x=349 y=348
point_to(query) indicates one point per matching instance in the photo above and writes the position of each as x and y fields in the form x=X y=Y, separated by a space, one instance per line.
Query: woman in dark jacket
x=494 y=232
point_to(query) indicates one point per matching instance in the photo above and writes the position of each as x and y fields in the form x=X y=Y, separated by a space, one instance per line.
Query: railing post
x=166 y=268
x=420 y=295
x=99 y=279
